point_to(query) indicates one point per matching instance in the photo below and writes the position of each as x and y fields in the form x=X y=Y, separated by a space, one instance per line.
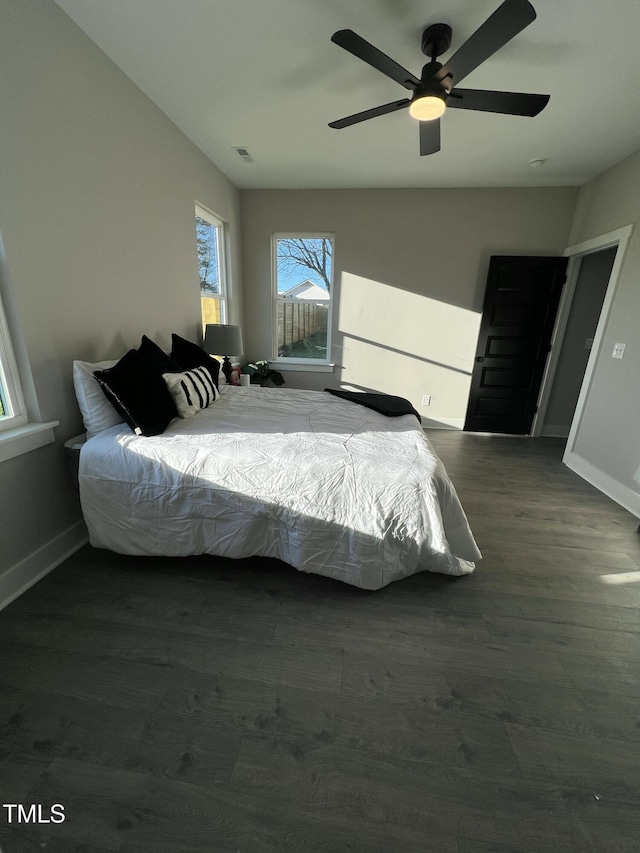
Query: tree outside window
x=207 y=239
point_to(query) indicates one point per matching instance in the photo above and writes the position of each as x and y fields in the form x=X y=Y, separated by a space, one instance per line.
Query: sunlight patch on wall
x=621 y=578
x=400 y=342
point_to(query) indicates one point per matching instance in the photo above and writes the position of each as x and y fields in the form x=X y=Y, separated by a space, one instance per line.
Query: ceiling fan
x=436 y=88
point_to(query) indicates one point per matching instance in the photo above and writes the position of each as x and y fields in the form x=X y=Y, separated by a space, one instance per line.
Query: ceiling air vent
x=243 y=153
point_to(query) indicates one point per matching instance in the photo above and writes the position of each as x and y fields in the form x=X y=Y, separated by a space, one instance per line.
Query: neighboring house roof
x=307 y=290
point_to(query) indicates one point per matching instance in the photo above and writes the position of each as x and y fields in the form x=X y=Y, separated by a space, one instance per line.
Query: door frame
x=619 y=238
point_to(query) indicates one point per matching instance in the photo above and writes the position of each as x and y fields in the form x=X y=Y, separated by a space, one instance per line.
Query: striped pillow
x=192 y=390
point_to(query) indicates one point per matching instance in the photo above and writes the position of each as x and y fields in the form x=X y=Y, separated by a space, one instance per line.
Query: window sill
x=302 y=364
x=15 y=442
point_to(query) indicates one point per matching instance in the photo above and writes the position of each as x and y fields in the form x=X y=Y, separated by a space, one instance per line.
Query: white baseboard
x=31 y=569
x=555 y=431
x=615 y=490
x=442 y=423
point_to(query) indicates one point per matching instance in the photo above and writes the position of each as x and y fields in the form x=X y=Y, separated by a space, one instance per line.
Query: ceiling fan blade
x=429 y=137
x=356 y=45
x=511 y=103
x=505 y=23
x=372 y=113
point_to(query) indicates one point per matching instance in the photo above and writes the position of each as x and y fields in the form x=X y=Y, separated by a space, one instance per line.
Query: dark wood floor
x=203 y=705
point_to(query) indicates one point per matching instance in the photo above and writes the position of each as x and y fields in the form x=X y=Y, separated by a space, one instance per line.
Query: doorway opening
x=591 y=283
x=594 y=266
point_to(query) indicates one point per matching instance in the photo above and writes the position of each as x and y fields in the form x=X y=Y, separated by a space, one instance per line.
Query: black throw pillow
x=156 y=357
x=190 y=355
x=135 y=388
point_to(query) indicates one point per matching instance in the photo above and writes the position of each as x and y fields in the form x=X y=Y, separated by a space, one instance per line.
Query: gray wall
x=608 y=437
x=97 y=191
x=410 y=272
x=591 y=286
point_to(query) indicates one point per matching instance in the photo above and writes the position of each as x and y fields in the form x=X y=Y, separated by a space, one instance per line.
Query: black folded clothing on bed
x=386 y=404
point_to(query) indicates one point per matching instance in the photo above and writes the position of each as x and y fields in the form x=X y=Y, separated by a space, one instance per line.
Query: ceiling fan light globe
x=427 y=108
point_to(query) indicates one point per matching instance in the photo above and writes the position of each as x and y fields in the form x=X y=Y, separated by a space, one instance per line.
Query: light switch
x=618 y=350
x=588 y=343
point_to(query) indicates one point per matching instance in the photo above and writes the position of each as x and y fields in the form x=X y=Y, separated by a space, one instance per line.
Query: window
x=21 y=429
x=303 y=276
x=12 y=407
x=210 y=237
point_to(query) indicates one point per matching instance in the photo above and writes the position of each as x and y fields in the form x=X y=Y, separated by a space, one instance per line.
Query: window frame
x=10 y=384
x=223 y=265
x=22 y=430
x=300 y=363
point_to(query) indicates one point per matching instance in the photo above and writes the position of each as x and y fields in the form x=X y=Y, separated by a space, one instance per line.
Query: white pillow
x=97 y=412
x=192 y=390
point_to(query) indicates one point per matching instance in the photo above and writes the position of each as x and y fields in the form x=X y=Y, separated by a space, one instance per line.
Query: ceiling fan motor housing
x=429 y=83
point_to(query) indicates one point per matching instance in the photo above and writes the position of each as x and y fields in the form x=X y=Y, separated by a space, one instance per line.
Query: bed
x=321 y=483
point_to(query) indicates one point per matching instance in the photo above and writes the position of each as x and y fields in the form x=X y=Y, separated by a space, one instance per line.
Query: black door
x=520 y=305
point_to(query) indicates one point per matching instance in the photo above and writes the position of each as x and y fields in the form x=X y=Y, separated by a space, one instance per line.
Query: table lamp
x=223 y=340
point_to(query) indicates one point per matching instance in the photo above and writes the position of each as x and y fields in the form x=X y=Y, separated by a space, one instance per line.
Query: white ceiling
x=265 y=75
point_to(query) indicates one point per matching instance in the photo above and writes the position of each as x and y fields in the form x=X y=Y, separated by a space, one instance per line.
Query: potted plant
x=261 y=374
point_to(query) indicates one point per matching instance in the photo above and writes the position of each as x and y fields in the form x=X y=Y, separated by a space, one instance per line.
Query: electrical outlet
x=618 y=350
x=426 y=399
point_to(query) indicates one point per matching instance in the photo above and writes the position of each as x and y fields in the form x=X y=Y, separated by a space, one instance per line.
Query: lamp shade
x=222 y=340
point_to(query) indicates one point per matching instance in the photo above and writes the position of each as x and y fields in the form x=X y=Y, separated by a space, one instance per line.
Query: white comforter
x=323 y=484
